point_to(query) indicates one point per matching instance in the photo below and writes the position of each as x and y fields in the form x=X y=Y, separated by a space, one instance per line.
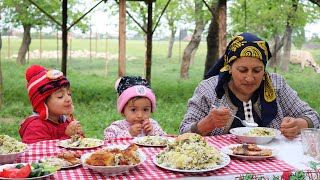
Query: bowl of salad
x=256 y=135
x=10 y=149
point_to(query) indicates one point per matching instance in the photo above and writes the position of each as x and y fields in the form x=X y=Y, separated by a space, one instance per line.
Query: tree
x=138 y=13
x=269 y=20
x=201 y=18
x=173 y=15
x=23 y=13
x=288 y=33
x=0 y=68
x=216 y=39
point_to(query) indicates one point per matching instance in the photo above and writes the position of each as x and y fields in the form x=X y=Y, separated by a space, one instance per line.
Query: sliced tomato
x=21 y=173
x=17 y=173
x=6 y=172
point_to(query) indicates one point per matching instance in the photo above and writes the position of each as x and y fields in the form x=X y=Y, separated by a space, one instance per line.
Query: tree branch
x=164 y=9
x=317 y=2
x=209 y=8
x=144 y=30
x=52 y=18
x=75 y=22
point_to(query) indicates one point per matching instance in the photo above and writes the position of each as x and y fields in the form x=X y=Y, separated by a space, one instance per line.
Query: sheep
x=305 y=59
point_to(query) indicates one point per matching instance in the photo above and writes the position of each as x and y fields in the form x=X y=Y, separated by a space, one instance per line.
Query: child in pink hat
x=136 y=103
x=50 y=96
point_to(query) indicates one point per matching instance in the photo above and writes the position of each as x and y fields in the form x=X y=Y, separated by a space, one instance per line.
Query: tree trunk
x=193 y=44
x=26 y=41
x=0 y=73
x=193 y=54
x=274 y=61
x=212 y=41
x=187 y=54
x=171 y=42
x=222 y=8
x=286 y=49
x=287 y=41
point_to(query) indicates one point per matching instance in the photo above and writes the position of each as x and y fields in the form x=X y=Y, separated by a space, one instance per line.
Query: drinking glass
x=309 y=140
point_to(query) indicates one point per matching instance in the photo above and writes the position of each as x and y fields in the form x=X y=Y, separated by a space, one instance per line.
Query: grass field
x=95 y=98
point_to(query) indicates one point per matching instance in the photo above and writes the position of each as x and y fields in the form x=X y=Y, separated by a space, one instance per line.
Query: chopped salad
x=9 y=145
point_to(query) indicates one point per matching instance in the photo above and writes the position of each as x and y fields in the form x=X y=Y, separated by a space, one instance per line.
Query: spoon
x=244 y=122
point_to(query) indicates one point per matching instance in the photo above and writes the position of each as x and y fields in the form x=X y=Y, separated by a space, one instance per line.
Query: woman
x=239 y=84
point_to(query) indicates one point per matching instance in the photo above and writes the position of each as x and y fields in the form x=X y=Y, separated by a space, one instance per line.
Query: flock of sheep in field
x=302 y=57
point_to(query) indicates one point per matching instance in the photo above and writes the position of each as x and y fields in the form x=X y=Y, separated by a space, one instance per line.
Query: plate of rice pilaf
x=191 y=153
x=153 y=141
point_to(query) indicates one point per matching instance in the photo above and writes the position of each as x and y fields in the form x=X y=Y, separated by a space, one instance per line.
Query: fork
x=244 y=122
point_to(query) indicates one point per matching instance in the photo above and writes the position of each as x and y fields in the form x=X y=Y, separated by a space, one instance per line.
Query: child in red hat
x=136 y=102
x=50 y=96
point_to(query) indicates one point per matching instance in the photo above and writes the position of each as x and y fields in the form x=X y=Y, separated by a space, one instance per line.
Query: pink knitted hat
x=132 y=86
x=41 y=83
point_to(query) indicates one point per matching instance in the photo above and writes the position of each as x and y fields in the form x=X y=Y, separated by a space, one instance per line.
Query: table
x=286 y=160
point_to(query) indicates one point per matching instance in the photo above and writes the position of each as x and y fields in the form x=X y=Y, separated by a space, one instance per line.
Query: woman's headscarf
x=247 y=45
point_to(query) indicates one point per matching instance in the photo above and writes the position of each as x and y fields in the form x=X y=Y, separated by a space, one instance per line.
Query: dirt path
x=9 y=120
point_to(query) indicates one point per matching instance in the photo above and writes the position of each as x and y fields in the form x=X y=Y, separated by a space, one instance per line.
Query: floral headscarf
x=247 y=45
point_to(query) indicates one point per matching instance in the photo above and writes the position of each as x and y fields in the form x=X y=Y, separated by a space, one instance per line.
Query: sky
x=312 y=29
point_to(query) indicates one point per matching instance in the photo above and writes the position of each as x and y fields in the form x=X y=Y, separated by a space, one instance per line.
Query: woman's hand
x=147 y=127
x=290 y=127
x=73 y=128
x=217 y=118
x=135 y=129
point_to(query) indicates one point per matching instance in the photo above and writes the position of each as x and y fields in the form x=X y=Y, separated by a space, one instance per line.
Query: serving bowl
x=242 y=133
x=113 y=170
x=9 y=158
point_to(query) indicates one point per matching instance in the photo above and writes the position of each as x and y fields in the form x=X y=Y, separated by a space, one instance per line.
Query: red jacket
x=33 y=129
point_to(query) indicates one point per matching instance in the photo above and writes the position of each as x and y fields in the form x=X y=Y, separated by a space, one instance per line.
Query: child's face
x=137 y=110
x=60 y=103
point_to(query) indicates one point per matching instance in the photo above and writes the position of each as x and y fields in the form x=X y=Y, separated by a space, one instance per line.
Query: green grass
x=95 y=98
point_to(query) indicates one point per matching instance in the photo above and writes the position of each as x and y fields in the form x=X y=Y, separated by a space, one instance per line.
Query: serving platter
x=50 y=159
x=92 y=143
x=153 y=141
x=6 y=166
x=224 y=163
x=228 y=151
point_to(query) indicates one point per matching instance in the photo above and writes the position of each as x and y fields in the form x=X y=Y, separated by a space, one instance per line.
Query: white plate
x=225 y=162
x=13 y=165
x=227 y=150
x=137 y=140
x=113 y=170
x=65 y=144
x=63 y=167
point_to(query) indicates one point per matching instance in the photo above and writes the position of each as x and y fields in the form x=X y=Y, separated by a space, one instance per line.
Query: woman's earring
x=229 y=72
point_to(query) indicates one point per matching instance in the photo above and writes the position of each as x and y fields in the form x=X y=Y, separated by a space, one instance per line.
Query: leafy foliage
x=23 y=12
x=265 y=18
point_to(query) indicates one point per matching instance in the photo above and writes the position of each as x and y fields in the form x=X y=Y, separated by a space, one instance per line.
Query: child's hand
x=147 y=127
x=73 y=128
x=135 y=129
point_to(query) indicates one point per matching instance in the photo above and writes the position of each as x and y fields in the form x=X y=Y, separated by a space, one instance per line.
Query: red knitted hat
x=41 y=83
